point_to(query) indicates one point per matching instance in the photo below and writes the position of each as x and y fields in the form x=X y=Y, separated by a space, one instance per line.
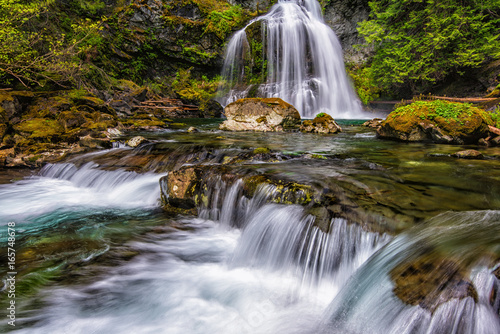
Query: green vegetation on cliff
x=419 y=43
x=82 y=43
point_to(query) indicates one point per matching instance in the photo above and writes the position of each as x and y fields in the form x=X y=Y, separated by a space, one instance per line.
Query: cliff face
x=343 y=17
x=152 y=38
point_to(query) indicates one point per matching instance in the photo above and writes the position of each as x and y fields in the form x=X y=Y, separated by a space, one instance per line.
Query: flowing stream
x=96 y=254
x=293 y=55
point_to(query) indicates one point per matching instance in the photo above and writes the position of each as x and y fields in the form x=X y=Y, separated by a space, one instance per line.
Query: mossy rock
x=261 y=150
x=41 y=128
x=437 y=121
x=322 y=123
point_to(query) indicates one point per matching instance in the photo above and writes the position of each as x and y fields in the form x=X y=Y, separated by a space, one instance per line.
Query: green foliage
x=419 y=43
x=364 y=82
x=495 y=116
x=35 y=50
x=223 y=23
x=321 y=114
x=197 y=90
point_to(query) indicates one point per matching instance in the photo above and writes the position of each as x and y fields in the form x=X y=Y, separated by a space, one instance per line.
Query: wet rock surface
x=430 y=282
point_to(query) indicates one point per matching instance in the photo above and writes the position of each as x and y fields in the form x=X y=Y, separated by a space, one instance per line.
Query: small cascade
x=292 y=54
x=461 y=293
x=66 y=185
x=284 y=237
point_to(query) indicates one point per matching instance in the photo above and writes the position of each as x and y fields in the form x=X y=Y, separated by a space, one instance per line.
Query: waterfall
x=292 y=54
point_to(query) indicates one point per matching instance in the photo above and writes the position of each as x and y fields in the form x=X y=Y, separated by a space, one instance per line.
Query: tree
x=418 y=43
x=35 y=49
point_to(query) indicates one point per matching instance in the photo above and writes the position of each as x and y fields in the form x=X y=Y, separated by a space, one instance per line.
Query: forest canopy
x=418 y=43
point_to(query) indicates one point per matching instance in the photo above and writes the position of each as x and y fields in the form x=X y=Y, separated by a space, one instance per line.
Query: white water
x=304 y=61
x=66 y=186
x=270 y=276
x=366 y=304
x=248 y=266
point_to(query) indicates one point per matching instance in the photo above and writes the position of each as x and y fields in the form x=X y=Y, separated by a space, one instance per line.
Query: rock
x=4 y=154
x=180 y=187
x=192 y=129
x=257 y=114
x=437 y=121
x=121 y=107
x=212 y=110
x=468 y=154
x=136 y=141
x=430 y=282
x=322 y=123
x=495 y=141
x=373 y=123
x=95 y=143
x=483 y=142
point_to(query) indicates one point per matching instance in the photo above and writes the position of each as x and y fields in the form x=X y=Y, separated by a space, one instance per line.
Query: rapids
x=96 y=254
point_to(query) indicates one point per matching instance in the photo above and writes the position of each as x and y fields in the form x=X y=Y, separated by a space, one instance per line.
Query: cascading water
x=98 y=255
x=292 y=54
x=466 y=304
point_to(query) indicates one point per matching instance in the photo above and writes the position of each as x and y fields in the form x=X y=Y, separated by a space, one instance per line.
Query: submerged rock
x=258 y=114
x=322 y=123
x=468 y=154
x=437 y=121
x=430 y=282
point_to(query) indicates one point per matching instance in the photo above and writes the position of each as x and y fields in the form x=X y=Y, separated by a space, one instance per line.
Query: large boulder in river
x=437 y=121
x=322 y=123
x=258 y=114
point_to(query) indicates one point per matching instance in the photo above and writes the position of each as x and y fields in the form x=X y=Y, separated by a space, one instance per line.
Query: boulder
x=260 y=114
x=322 y=123
x=436 y=121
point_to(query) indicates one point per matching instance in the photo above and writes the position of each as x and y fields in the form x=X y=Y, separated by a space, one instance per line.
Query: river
x=95 y=253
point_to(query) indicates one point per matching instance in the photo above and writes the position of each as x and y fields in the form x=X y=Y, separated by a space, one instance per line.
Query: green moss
x=457 y=119
x=40 y=128
x=261 y=150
